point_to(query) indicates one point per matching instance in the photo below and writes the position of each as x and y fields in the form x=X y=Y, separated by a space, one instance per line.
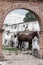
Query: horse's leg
x=21 y=44
x=30 y=44
x=18 y=43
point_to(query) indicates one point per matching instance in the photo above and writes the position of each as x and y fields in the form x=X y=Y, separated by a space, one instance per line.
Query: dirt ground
x=20 y=58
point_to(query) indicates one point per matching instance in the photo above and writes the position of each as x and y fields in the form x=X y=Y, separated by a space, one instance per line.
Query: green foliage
x=29 y=17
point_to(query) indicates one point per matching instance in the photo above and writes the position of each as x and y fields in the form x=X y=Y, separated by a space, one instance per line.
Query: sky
x=15 y=16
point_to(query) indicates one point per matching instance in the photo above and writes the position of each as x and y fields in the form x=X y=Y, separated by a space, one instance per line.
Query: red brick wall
x=41 y=43
x=6 y=7
x=0 y=43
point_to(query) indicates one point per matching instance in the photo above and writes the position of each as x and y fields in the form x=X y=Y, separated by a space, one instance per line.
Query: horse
x=26 y=38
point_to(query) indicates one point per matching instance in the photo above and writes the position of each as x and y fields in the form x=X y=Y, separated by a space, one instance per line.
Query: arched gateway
x=35 y=7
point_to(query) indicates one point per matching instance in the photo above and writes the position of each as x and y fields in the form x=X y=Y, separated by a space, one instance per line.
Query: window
x=8 y=33
x=23 y=25
x=5 y=41
x=15 y=26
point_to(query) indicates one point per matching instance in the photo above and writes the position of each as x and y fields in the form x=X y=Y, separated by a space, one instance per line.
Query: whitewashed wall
x=32 y=26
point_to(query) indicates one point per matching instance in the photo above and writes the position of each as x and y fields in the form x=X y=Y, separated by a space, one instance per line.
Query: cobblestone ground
x=20 y=58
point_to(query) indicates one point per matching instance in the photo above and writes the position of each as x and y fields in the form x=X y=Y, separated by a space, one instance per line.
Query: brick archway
x=33 y=7
x=27 y=6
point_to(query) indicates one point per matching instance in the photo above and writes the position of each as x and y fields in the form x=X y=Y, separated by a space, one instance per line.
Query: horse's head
x=35 y=34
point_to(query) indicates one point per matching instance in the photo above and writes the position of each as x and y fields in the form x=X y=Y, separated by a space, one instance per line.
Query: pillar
x=41 y=44
x=1 y=55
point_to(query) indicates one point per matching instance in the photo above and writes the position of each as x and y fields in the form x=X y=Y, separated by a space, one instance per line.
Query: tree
x=29 y=17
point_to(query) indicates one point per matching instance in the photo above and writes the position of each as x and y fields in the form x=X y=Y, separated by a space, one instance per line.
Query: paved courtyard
x=20 y=58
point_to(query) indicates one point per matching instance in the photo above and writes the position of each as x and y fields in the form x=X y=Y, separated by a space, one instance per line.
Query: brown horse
x=28 y=38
